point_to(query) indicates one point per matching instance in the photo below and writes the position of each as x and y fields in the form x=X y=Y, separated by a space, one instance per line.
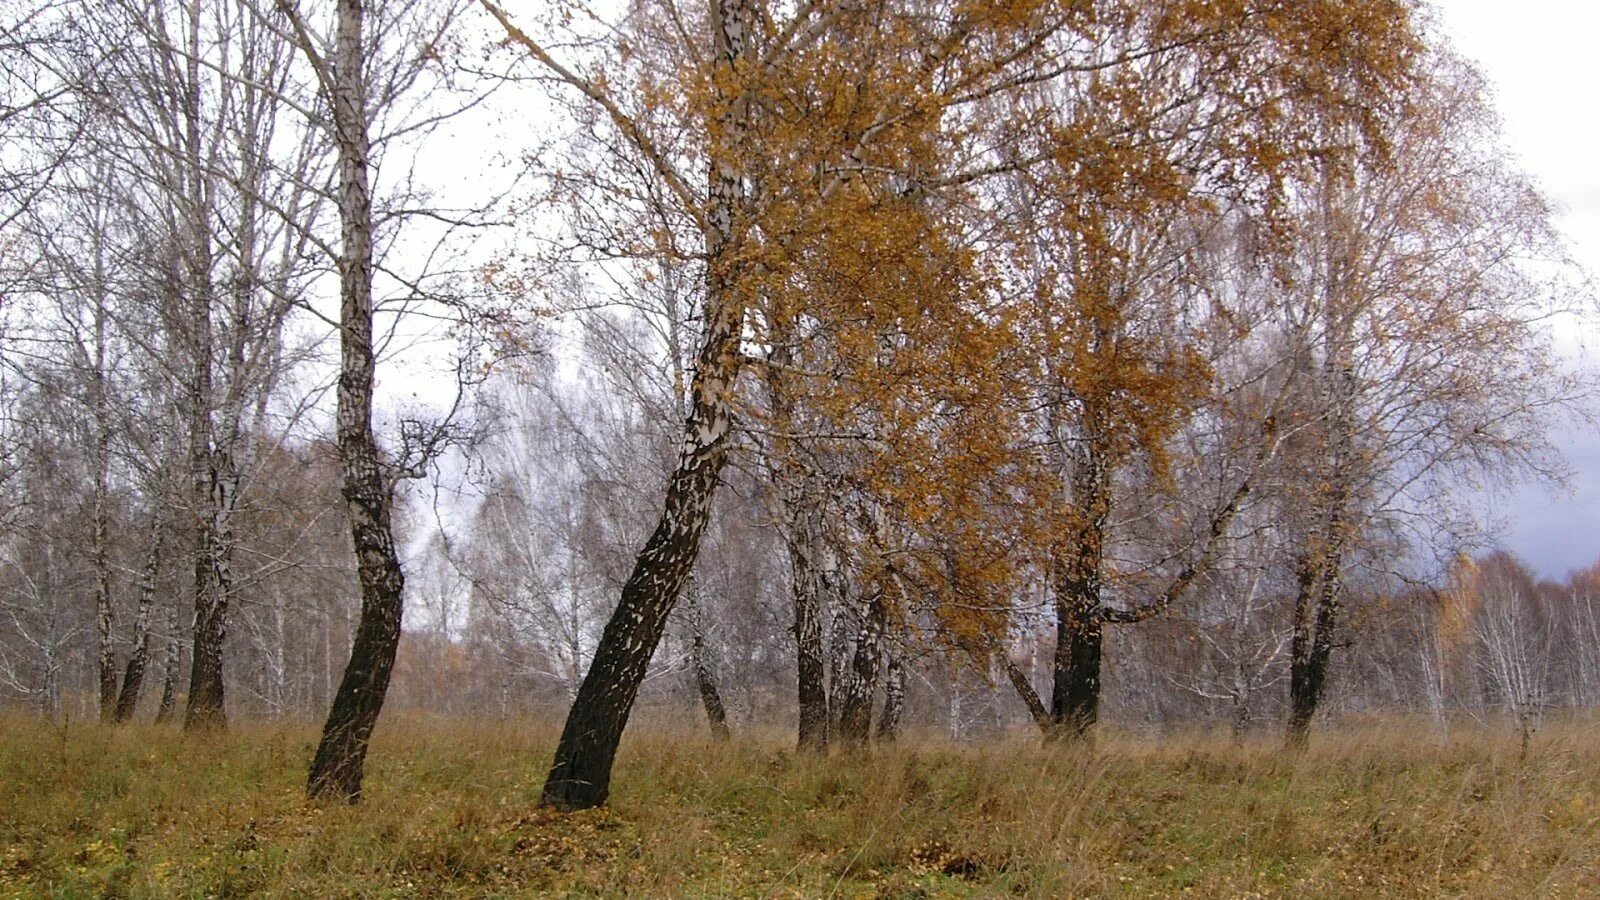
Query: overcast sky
x=1541 y=57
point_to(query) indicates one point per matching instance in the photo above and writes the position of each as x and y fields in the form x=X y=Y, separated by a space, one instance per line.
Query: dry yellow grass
x=1386 y=810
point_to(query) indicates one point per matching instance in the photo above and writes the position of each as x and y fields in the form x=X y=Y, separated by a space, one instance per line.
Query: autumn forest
x=688 y=449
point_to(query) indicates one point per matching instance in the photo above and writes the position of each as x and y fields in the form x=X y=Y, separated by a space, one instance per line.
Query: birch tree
x=1424 y=367
x=368 y=67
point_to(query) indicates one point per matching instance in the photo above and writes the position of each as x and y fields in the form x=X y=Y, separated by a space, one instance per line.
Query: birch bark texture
x=581 y=774
x=368 y=489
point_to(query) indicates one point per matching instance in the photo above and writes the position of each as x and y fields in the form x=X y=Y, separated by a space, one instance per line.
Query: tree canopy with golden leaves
x=958 y=244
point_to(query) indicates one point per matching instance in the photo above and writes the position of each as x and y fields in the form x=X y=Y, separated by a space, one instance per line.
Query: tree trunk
x=1030 y=697
x=807 y=577
x=50 y=663
x=1311 y=646
x=1080 y=619
x=214 y=587
x=801 y=516
x=894 y=700
x=855 y=700
x=953 y=710
x=843 y=630
x=133 y=678
x=106 y=668
x=205 y=709
x=1240 y=721
x=1318 y=570
x=581 y=774
x=700 y=660
x=1075 y=705
x=812 y=674
x=580 y=777
x=337 y=768
x=170 y=668
x=101 y=525
x=1240 y=695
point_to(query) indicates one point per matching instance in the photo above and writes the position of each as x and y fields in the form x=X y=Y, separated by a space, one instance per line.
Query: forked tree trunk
x=206 y=709
x=138 y=660
x=205 y=702
x=581 y=774
x=1081 y=616
x=337 y=768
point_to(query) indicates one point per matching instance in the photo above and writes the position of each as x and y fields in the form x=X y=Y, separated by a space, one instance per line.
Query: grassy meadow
x=91 y=811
